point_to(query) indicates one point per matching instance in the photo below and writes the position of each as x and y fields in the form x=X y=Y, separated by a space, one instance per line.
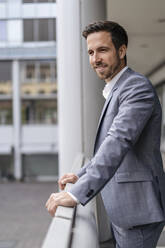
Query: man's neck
x=116 y=72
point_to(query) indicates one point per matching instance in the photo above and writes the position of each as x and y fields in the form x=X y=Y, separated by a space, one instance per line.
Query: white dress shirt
x=109 y=85
x=106 y=91
x=73 y=197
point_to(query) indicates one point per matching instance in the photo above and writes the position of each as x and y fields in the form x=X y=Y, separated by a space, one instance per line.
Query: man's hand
x=59 y=199
x=67 y=178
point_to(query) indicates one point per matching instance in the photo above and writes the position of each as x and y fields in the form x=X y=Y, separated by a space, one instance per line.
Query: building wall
x=28 y=86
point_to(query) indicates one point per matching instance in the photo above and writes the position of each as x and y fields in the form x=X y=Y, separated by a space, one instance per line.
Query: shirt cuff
x=73 y=197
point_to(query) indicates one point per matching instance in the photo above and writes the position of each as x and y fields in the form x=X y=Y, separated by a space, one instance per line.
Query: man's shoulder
x=132 y=73
x=135 y=84
x=134 y=78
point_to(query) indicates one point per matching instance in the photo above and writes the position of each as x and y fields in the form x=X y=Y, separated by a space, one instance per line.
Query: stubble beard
x=112 y=71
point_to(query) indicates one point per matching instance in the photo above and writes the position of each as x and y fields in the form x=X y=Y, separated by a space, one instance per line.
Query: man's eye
x=103 y=49
x=90 y=52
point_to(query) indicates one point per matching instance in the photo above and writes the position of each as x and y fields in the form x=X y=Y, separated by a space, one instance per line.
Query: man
x=127 y=165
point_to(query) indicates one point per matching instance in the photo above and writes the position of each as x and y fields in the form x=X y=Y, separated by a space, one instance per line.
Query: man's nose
x=96 y=58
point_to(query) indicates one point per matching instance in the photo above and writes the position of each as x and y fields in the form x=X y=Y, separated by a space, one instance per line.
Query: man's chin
x=101 y=76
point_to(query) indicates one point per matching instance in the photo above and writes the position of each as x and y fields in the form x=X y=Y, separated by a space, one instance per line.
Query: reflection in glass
x=37 y=1
x=39 y=111
x=39 y=29
x=5 y=112
x=45 y=72
x=28 y=1
x=5 y=78
x=3 y=31
x=43 y=30
x=28 y=30
x=39 y=92
x=30 y=71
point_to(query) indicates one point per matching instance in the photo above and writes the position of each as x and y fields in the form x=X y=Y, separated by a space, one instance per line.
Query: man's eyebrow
x=100 y=47
x=105 y=47
x=89 y=50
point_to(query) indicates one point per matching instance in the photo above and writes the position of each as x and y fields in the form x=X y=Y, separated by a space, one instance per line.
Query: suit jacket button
x=90 y=193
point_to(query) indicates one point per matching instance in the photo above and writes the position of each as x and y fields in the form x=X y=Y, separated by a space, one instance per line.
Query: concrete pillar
x=16 y=119
x=79 y=95
x=93 y=100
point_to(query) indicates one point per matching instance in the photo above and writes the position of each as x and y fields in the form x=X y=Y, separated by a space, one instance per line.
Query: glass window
x=5 y=112
x=3 y=30
x=38 y=1
x=28 y=1
x=5 y=78
x=28 y=30
x=39 y=30
x=38 y=92
x=43 y=1
x=55 y=71
x=45 y=72
x=5 y=71
x=38 y=77
x=30 y=71
x=38 y=71
x=52 y=29
x=39 y=111
x=43 y=30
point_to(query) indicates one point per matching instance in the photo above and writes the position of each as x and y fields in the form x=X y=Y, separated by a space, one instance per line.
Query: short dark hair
x=118 y=33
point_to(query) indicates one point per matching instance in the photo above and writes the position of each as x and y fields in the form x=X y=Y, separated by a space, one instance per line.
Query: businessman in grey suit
x=127 y=165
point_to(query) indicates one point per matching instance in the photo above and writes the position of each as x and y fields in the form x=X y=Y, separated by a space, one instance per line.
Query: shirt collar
x=109 y=85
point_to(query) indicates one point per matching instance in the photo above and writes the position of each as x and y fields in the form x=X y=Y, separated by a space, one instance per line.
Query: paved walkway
x=24 y=220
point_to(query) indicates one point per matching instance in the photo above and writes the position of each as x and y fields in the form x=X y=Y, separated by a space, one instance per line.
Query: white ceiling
x=144 y=21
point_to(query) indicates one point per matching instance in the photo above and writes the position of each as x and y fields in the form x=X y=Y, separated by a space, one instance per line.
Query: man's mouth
x=100 y=68
x=100 y=65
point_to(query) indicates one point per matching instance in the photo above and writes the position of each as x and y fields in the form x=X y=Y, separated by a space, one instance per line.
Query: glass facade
x=5 y=92
x=39 y=1
x=39 y=30
x=6 y=112
x=39 y=111
x=3 y=30
x=39 y=92
x=5 y=72
x=34 y=165
x=28 y=89
x=28 y=30
x=41 y=71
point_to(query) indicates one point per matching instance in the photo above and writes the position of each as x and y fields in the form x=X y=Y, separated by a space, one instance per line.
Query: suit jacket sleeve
x=136 y=103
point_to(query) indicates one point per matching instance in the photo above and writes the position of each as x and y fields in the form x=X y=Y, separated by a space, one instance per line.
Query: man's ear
x=122 y=51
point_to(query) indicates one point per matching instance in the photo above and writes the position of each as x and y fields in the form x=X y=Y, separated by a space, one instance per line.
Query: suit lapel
x=105 y=106
x=120 y=80
x=102 y=115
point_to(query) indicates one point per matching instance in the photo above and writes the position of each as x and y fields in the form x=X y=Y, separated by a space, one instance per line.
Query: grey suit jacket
x=127 y=165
